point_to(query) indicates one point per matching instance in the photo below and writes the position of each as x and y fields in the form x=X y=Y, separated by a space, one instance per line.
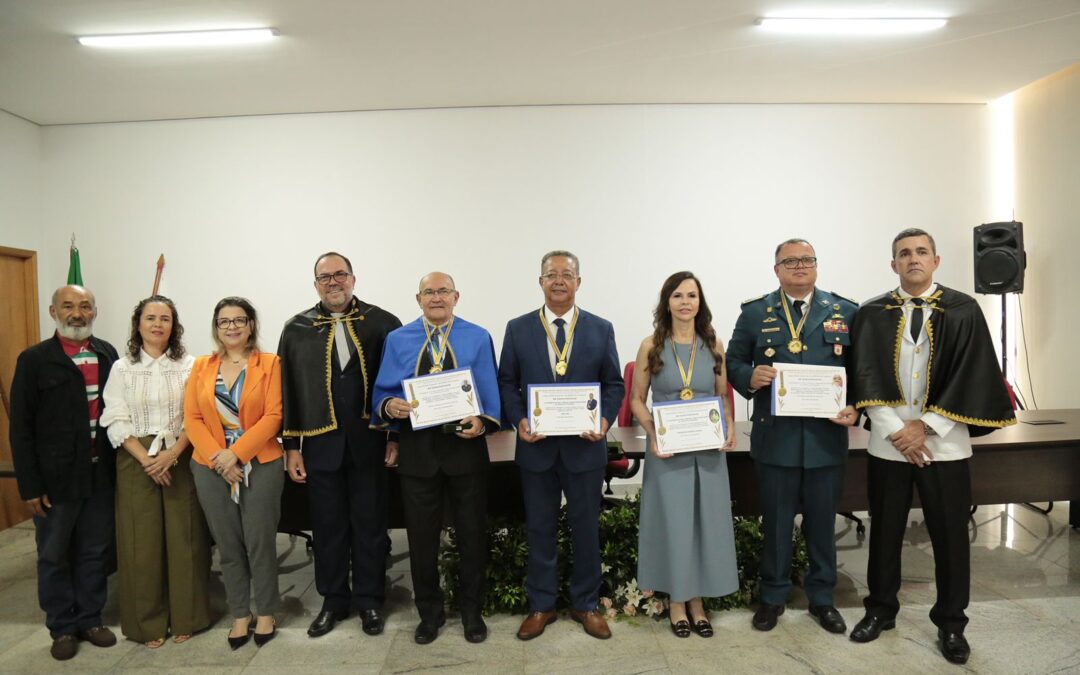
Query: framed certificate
x=444 y=397
x=808 y=391
x=568 y=409
x=688 y=426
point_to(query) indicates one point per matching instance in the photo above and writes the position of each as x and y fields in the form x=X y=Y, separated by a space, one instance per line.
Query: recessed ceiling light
x=851 y=25
x=181 y=39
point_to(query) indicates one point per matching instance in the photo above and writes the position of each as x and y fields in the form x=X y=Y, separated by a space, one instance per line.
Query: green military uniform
x=799 y=460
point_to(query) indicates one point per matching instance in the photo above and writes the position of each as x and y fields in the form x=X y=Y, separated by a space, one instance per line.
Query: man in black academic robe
x=926 y=374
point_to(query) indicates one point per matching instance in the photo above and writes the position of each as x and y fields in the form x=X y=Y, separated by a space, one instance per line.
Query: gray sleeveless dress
x=686 y=544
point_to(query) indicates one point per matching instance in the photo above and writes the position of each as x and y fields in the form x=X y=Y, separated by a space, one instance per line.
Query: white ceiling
x=384 y=54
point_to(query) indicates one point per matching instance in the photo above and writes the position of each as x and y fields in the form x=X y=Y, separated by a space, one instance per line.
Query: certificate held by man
x=808 y=391
x=448 y=396
x=564 y=409
x=689 y=426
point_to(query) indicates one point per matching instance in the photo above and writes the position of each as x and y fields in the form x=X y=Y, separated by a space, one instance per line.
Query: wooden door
x=19 y=316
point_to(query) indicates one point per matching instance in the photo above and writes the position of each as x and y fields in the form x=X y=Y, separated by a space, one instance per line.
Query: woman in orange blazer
x=232 y=414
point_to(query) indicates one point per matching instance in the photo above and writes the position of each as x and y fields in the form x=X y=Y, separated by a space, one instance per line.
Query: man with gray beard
x=65 y=466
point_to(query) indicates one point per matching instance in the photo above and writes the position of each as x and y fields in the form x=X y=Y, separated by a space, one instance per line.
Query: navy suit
x=799 y=460
x=559 y=465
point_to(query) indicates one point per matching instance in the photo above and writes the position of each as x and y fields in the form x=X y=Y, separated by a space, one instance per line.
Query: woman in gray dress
x=686 y=544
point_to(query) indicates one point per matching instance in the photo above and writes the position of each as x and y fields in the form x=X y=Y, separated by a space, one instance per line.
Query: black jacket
x=50 y=423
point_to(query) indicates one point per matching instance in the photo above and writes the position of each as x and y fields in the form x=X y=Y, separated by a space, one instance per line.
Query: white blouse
x=146 y=398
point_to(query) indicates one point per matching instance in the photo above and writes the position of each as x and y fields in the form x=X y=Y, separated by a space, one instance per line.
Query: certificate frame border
x=677 y=402
x=529 y=391
x=472 y=381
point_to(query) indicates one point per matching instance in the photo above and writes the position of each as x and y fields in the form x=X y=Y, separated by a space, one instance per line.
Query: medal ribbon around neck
x=437 y=353
x=795 y=346
x=561 y=359
x=687 y=392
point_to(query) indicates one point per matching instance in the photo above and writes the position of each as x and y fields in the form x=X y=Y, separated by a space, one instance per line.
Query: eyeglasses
x=239 y=322
x=441 y=292
x=796 y=263
x=340 y=277
x=565 y=276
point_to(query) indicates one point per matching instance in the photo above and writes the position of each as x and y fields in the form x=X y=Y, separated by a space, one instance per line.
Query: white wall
x=20 y=186
x=243 y=205
x=1047 y=190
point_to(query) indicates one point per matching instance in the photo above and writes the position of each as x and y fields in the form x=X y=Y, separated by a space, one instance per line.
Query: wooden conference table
x=1022 y=463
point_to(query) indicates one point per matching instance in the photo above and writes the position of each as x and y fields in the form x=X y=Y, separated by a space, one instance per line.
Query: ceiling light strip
x=181 y=39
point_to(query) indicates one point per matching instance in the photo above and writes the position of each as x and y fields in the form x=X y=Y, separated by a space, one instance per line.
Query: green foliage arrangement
x=620 y=595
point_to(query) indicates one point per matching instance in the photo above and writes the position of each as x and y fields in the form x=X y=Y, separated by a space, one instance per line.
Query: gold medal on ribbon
x=687 y=374
x=561 y=356
x=415 y=403
x=660 y=430
x=783 y=389
x=439 y=346
x=537 y=410
x=795 y=346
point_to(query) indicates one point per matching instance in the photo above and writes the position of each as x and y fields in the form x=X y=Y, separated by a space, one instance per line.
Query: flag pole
x=157 y=277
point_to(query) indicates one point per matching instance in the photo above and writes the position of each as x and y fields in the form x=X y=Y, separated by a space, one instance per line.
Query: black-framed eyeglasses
x=239 y=322
x=340 y=277
x=441 y=292
x=796 y=263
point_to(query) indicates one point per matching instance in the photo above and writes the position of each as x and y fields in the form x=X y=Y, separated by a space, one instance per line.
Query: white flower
x=604 y=568
x=631 y=593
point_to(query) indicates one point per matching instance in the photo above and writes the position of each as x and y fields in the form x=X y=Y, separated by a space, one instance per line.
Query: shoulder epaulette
x=747 y=302
x=837 y=295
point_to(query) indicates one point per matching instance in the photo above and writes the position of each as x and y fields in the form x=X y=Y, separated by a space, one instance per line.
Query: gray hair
x=560 y=254
x=913 y=232
x=788 y=242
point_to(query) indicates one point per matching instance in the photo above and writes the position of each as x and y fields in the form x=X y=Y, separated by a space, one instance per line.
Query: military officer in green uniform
x=799 y=460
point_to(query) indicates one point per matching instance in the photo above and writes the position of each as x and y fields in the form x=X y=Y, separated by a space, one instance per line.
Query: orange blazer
x=260 y=410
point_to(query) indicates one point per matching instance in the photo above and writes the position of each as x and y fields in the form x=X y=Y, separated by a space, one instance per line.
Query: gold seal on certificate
x=448 y=396
x=808 y=391
x=690 y=426
x=565 y=409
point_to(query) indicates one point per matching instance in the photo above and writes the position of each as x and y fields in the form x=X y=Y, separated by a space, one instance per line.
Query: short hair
x=787 y=242
x=558 y=253
x=56 y=294
x=913 y=232
x=249 y=311
x=318 y=260
x=420 y=284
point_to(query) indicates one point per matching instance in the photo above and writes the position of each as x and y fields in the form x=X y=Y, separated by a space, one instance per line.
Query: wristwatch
x=928 y=430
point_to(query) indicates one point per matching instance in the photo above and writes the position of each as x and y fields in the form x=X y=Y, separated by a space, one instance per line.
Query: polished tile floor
x=1025 y=618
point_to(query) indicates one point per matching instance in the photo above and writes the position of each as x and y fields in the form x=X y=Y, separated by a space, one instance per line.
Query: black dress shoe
x=427 y=631
x=681 y=629
x=829 y=618
x=954 y=647
x=372 y=621
x=703 y=628
x=870 y=627
x=238 y=642
x=263 y=638
x=765 y=616
x=475 y=629
x=324 y=622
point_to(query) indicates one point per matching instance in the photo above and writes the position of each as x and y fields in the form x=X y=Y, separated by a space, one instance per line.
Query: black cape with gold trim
x=306 y=349
x=965 y=381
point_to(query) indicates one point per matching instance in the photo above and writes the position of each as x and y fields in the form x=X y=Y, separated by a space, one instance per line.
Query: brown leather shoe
x=64 y=647
x=99 y=636
x=595 y=625
x=535 y=623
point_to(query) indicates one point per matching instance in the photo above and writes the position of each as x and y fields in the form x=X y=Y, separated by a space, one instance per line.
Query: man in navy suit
x=555 y=344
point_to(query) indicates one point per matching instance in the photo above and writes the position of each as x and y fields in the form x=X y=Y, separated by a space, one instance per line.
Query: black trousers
x=423 y=499
x=945 y=493
x=348 y=525
x=74 y=545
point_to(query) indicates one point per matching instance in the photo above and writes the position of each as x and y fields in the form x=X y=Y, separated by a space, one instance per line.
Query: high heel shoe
x=263 y=638
x=238 y=642
x=681 y=629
